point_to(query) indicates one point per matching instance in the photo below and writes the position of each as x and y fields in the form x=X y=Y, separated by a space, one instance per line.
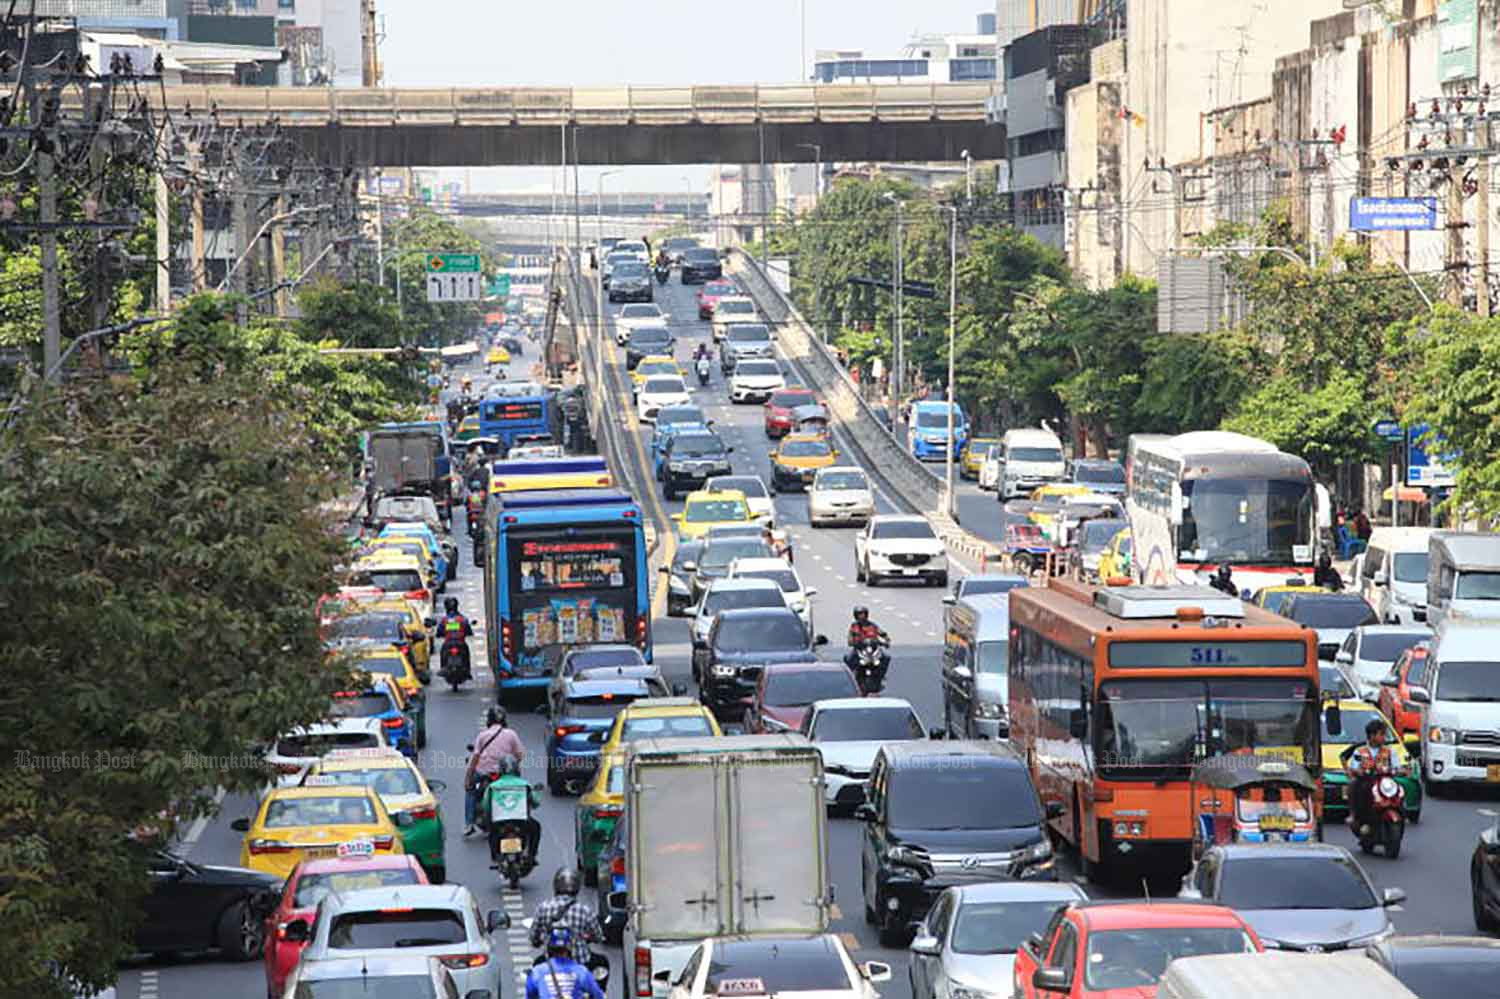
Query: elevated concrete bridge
x=524 y=126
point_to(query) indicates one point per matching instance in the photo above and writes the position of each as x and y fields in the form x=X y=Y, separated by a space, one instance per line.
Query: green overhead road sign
x=453 y=263
x=500 y=286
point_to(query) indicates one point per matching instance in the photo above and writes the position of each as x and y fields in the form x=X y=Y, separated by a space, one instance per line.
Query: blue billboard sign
x=1392 y=214
x=1432 y=470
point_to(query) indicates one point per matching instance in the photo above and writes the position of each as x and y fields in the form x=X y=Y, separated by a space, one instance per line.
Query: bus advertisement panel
x=562 y=567
x=1117 y=693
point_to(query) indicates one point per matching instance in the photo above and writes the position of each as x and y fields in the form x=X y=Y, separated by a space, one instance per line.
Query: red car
x=778 y=409
x=306 y=886
x=786 y=690
x=1109 y=950
x=709 y=295
x=1395 y=698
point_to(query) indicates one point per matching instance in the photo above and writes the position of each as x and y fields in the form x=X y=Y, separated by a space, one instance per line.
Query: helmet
x=1224 y=571
x=565 y=881
x=560 y=940
x=1325 y=560
x=1374 y=725
x=495 y=716
x=861 y=613
x=451 y=605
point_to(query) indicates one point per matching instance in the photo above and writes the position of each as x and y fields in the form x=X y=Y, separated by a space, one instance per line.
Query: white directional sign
x=454 y=286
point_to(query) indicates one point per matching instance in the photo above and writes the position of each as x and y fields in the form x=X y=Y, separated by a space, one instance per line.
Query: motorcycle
x=663 y=272
x=597 y=964
x=869 y=660
x=508 y=822
x=703 y=369
x=455 y=662
x=1384 y=822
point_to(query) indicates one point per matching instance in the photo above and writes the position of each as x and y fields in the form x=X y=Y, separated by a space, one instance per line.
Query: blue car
x=927 y=429
x=580 y=713
x=376 y=701
x=663 y=437
x=446 y=566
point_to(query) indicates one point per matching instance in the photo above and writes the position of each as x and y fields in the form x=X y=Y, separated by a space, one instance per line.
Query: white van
x=1460 y=699
x=1463 y=576
x=1028 y=458
x=1393 y=574
x=1288 y=975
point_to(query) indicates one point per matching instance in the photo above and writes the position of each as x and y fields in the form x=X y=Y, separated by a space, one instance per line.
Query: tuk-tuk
x=1252 y=799
x=1027 y=549
x=811 y=419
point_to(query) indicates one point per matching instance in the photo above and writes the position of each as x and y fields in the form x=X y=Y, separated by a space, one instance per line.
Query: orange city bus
x=1117 y=691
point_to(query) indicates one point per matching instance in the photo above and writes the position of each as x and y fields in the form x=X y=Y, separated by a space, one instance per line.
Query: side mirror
x=876 y=971
x=1419 y=695
x=729 y=450
x=1050 y=980
x=437 y=785
x=1389 y=681
x=619 y=900
x=1333 y=719
x=1413 y=743
x=679 y=689
x=1392 y=896
x=1380 y=578
x=1034 y=942
x=865 y=812
x=811 y=591
x=1054 y=809
x=478 y=994
x=820 y=641
x=689 y=566
x=665 y=570
x=240 y=825
x=497 y=919
x=598 y=738
x=937 y=733
x=1078 y=723
x=963 y=672
x=949 y=599
x=297 y=931
x=677 y=517
x=1344 y=656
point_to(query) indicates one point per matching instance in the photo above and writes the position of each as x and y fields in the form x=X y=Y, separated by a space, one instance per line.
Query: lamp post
x=968 y=176
x=818 y=177
x=948 y=505
x=599 y=253
x=898 y=374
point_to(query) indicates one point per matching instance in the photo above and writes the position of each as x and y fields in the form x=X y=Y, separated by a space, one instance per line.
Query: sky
x=583 y=43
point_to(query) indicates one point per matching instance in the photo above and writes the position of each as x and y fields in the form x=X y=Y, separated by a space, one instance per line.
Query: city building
x=1040 y=69
x=925 y=59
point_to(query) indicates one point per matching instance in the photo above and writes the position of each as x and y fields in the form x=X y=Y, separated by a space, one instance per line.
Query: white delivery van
x=1463 y=576
x=1393 y=574
x=1029 y=458
x=1460 y=703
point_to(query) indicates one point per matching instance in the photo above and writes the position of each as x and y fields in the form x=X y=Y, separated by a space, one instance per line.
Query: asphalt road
x=1433 y=867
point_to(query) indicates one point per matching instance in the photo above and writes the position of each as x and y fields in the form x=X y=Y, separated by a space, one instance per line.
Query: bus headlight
x=990 y=710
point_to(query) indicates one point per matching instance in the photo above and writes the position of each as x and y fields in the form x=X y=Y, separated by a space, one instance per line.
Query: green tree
x=351 y=315
x=1328 y=425
x=410 y=241
x=1193 y=381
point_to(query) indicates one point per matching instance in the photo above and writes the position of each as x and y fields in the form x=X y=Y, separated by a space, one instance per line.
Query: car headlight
x=907 y=857
x=965 y=992
x=990 y=709
x=1445 y=736
x=1040 y=850
x=677 y=584
x=1373 y=938
x=722 y=670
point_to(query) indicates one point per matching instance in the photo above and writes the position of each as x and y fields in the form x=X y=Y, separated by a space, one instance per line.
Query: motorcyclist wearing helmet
x=509 y=779
x=1223 y=580
x=454 y=627
x=1370 y=760
x=862 y=628
x=560 y=976
x=494 y=742
x=1326 y=575
x=565 y=909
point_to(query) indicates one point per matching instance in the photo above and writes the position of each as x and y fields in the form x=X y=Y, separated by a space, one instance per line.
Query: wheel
x=453 y=685
x=1391 y=839
x=892 y=933
x=437 y=874
x=859 y=571
x=554 y=785
x=422 y=733
x=942 y=580
x=241 y=935
x=869 y=909
x=667 y=492
x=1482 y=919
x=872 y=580
x=515 y=881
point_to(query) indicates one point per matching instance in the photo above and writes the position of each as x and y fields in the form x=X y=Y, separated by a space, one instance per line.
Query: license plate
x=320 y=851
x=1276 y=823
x=1492 y=773
x=511 y=845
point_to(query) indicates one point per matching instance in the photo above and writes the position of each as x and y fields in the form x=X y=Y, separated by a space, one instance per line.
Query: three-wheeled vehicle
x=1253 y=799
x=810 y=419
x=1027 y=549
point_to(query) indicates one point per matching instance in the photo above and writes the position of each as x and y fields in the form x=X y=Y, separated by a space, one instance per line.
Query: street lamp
x=968 y=176
x=599 y=244
x=898 y=373
x=948 y=505
x=818 y=178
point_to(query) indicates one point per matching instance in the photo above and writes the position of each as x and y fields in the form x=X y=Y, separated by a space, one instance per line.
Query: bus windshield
x=1156 y=729
x=1246 y=520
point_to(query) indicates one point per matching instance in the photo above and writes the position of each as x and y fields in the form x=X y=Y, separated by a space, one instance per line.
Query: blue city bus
x=521 y=416
x=562 y=567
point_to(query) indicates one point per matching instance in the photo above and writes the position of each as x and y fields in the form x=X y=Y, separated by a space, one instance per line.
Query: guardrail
x=304 y=106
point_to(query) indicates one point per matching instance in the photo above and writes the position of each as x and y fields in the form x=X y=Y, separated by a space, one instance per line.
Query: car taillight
x=457 y=962
x=617 y=866
x=563 y=730
x=260 y=846
x=608 y=812
x=418 y=595
x=382 y=842
x=423 y=813
x=392 y=722
x=643 y=971
x=288 y=768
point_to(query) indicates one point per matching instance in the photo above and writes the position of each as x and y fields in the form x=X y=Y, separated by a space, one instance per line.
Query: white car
x=401 y=974
x=659 y=391
x=299 y=749
x=757 y=496
x=1370 y=651
x=899 y=546
x=637 y=314
x=730 y=310
x=990 y=469
x=754 y=381
x=780 y=572
x=848 y=732
x=815 y=967
x=840 y=494
x=411 y=920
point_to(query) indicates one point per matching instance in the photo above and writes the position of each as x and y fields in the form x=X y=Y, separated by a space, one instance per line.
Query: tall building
x=931 y=58
x=1014 y=18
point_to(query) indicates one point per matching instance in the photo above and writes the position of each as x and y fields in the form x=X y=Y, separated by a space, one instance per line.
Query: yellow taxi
x=658 y=718
x=1272 y=597
x=390 y=662
x=972 y=456
x=416 y=626
x=1114 y=563
x=652 y=365
x=1354 y=715
x=402 y=789
x=597 y=811
x=703 y=510
x=1053 y=494
x=294 y=824
x=394 y=573
x=408 y=544
x=497 y=355
x=796 y=458
x=467 y=427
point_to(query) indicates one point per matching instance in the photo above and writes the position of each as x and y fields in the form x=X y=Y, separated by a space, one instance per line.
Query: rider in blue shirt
x=561 y=977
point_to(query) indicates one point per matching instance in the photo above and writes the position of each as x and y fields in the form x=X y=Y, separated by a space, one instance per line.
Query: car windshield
x=888 y=724
x=664 y=385
x=1000 y=927
x=650 y=368
x=748 y=484
x=757 y=369
x=667 y=727
x=965 y=792
x=784 y=578
x=384 y=929
x=749 y=334
x=805 y=449
x=303 y=746
x=761 y=633
x=1387 y=647
x=286 y=813
x=799 y=688
x=367 y=987
x=388 y=782
x=600 y=707
x=1468 y=681
x=885 y=530
x=649 y=338
x=1332 y=682
x=1410 y=567
x=372 y=704
x=630 y=268
x=369 y=627
x=1440 y=971
x=717 y=289
x=709 y=511
x=1352 y=722
x=382 y=666
x=1135 y=959
x=696 y=445
x=1331 y=612
x=640 y=311
x=704 y=257
x=719 y=554
x=1290 y=882
x=935 y=418
x=389 y=580
x=1095 y=535
x=843 y=481
x=733 y=598
x=313 y=888
x=1038 y=454
x=688 y=551
x=777 y=966
x=678 y=414
x=792 y=398
x=1099 y=473
x=1477 y=586
x=977 y=585
x=733 y=306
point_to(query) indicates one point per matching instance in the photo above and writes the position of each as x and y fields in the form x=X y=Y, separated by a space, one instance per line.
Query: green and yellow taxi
x=1354 y=715
x=1273 y=597
x=408 y=797
x=659 y=718
x=390 y=662
x=1114 y=563
x=971 y=458
x=294 y=824
x=706 y=509
x=596 y=813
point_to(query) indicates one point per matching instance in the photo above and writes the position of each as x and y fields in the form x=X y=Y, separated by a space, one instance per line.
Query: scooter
x=1385 y=812
x=455 y=665
x=703 y=369
x=870 y=662
x=597 y=964
x=662 y=274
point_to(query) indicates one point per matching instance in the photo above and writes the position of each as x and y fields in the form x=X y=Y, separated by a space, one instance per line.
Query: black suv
x=742 y=642
x=701 y=265
x=941 y=814
x=690 y=459
x=645 y=341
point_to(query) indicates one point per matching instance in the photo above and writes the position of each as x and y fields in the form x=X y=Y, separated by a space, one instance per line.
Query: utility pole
x=240 y=215
x=1455 y=255
x=577 y=198
x=278 y=260
x=51 y=302
x=163 y=228
x=1482 y=237
x=370 y=61
x=198 y=266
